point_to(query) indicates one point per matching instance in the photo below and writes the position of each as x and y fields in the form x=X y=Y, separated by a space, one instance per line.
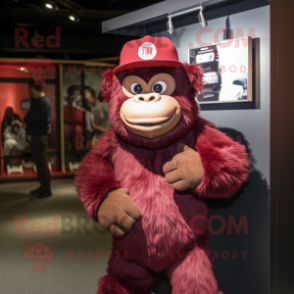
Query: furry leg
x=125 y=277
x=192 y=274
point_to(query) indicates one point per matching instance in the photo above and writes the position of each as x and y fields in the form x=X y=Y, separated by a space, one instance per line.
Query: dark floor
x=79 y=248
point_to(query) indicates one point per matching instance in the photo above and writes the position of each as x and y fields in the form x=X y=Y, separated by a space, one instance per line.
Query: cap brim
x=149 y=63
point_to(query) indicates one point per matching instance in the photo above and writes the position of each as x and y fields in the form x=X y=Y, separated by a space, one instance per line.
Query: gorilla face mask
x=150 y=111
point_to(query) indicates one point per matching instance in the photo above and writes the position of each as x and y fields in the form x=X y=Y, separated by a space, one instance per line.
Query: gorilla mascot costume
x=146 y=180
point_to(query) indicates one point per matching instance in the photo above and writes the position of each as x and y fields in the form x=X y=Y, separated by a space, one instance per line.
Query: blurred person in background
x=100 y=119
x=12 y=137
x=91 y=103
x=14 y=140
x=38 y=128
x=10 y=119
x=73 y=116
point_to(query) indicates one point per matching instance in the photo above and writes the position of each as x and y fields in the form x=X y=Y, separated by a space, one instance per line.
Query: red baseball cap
x=148 y=52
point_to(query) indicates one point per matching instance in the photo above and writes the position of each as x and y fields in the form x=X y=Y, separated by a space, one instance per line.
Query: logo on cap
x=147 y=51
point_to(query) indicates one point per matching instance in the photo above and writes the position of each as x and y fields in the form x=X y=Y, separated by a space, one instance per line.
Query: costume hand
x=29 y=138
x=185 y=170
x=118 y=212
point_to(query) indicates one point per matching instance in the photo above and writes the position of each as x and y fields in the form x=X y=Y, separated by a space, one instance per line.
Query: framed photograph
x=227 y=71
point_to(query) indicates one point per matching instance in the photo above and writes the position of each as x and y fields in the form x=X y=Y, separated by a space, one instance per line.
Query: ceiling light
x=51 y=5
x=73 y=17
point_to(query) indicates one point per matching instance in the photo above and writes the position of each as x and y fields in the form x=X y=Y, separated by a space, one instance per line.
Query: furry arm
x=95 y=177
x=224 y=161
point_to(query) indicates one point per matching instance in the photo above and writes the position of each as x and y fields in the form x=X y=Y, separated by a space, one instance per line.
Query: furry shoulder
x=106 y=144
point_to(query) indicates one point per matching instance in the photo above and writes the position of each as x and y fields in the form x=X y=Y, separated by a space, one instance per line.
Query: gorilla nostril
x=141 y=99
x=152 y=98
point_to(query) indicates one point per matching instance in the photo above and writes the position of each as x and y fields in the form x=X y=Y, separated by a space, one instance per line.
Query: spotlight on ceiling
x=74 y=17
x=201 y=17
x=169 y=24
x=51 y=5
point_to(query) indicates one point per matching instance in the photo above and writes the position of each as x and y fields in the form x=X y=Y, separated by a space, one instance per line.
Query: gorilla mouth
x=153 y=125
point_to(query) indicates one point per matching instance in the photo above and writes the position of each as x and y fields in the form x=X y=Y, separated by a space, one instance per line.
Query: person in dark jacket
x=38 y=127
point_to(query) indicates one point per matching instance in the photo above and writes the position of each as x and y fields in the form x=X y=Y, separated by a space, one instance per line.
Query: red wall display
x=14 y=93
x=68 y=142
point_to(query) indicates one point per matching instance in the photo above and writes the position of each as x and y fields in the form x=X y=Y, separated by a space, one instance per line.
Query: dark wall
x=282 y=142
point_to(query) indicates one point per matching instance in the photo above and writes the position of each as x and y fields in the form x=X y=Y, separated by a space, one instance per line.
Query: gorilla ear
x=195 y=76
x=106 y=86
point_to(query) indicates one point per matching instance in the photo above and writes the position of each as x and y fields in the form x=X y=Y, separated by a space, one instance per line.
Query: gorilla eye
x=136 y=88
x=159 y=87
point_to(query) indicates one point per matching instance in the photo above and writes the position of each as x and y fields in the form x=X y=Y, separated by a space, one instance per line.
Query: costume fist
x=185 y=170
x=118 y=212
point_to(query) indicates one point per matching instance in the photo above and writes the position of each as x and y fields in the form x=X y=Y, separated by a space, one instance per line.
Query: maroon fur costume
x=172 y=232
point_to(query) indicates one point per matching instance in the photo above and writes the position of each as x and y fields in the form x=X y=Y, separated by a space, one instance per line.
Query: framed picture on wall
x=227 y=71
